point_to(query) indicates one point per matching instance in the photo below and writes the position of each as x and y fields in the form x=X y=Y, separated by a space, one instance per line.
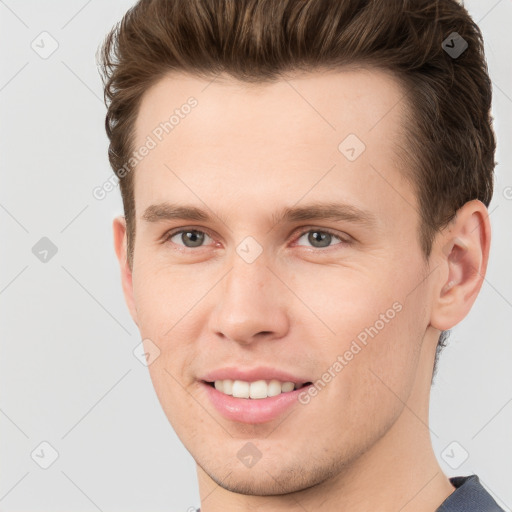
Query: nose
x=252 y=304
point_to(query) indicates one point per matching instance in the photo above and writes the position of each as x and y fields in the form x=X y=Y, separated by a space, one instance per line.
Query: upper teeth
x=257 y=389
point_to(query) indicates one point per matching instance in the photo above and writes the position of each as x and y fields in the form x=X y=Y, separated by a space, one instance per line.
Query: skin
x=242 y=154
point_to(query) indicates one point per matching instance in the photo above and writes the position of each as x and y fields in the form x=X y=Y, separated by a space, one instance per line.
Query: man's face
x=295 y=296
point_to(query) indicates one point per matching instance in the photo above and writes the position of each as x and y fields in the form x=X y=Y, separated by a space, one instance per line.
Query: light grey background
x=68 y=373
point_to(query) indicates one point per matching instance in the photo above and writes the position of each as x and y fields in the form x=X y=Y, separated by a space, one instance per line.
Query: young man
x=305 y=188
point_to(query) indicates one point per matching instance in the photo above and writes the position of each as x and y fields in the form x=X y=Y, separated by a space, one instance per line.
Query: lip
x=248 y=410
x=253 y=374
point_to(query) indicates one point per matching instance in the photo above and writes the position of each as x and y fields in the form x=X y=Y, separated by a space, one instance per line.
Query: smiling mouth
x=255 y=390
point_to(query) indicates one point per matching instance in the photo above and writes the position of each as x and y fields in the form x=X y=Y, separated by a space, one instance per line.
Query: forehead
x=267 y=138
x=329 y=102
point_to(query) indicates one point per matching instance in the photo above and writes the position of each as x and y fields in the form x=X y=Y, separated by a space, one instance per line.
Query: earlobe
x=120 y=246
x=463 y=252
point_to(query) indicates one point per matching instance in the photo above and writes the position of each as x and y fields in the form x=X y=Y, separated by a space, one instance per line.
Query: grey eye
x=190 y=238
x=319 y=238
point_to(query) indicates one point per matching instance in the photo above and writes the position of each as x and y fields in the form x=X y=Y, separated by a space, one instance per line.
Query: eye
x=188 y=237
x=193 y=238
x=320 y=238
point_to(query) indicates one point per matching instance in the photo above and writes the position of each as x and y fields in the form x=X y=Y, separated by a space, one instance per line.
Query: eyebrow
x=313 y=211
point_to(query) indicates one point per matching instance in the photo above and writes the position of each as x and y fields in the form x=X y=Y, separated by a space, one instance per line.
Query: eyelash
x=343 y=242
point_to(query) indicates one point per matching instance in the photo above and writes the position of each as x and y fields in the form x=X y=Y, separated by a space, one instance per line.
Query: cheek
x=163 y=296
x=343 y=303
x=367 y=329
x=165 y=303
x=181 y=410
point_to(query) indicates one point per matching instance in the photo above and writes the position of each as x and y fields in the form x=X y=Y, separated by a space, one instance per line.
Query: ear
x=462 y=253
x=120 y=246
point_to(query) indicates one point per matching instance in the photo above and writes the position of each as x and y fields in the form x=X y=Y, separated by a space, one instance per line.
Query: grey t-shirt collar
x=469 y=496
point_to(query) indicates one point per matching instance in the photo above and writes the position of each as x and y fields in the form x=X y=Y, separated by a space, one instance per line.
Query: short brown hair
x=449 y=154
